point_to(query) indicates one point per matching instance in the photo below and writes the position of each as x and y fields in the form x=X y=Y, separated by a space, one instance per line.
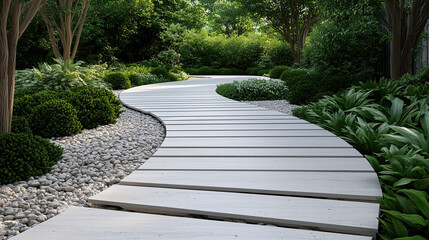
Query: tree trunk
x=17 y=24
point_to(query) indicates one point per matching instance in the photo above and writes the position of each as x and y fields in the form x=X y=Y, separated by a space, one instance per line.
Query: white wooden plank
x=223 y=127
x=327 y=215
x=219 y=113
x=313 y=164
x=335 y=185
x=250 y=133
x=100 y=224
x=267 y=142
x=237 y=121
x=257 y=152
x=191 y=109
x=251 y=117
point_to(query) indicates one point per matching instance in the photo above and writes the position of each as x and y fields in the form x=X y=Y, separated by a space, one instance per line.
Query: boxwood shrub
x=24 y=155
x=253 y=90
x=118 y=80
x=252 y=71
x=276 y=72
x=55 y=118
x=20 y=125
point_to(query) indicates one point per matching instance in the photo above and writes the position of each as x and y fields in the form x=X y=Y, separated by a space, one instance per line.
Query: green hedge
x=24 y=155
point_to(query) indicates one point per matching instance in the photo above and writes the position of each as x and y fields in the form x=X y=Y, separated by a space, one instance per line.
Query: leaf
x=403 y=181
x=411 y=219
x=417 y=237
x=422 y=184
x=399 y=228
x=419 y=198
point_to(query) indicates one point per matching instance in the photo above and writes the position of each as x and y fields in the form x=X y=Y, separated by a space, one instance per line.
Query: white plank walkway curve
x=230 y=161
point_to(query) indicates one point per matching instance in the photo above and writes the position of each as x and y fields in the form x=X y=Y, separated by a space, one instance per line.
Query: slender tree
x=15 y=16
x=65 y=19
x=407 y=20
x=293 y=19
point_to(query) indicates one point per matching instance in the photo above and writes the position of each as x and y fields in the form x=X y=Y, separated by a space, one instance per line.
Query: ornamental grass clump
x=253 y=90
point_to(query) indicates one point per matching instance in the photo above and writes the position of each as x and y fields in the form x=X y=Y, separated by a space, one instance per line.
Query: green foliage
x=94 y=106
x=263 y=72
x=253 y=90
x=387 y=120
x=191 y=71
x=200 y=49
x=277 y=71
x=20 y=125
x=169 y=59
x=118 y=80
x=135 y=79
x=59 y=76
x=252 y=71
x=163 y=72
x=205 y=70
x=55 y=118
x=24 y=155
x=277 y=53
x=347 y=42
x=24 y=106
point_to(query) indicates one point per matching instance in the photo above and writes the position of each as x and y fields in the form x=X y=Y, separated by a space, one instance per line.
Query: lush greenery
x=253 y=90
x=201 y=49
x=55 y=114
x=24 y=155
x=388 y=121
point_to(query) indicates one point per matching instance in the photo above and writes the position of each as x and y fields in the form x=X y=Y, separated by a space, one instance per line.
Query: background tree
x=407 y=20
x=64 y=20
x=15 y=17
x=291 y=18
x=228 y=17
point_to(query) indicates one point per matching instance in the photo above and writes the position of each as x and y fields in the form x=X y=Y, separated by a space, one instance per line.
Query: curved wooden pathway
x=226 y=168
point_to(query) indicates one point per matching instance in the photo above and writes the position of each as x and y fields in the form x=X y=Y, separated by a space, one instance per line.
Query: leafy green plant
x=55 y=118
x=60 y=76
x=253 y=89
x=118 y=80
x=252 y=71
x=24 y=155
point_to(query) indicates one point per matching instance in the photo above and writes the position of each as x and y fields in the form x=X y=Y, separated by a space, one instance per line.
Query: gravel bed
x=92 y=161
x=276 y=105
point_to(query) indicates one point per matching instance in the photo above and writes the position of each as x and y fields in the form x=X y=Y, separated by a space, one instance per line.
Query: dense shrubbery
x=24 y=155
x=200 y=49
x=93 y=106
x=388 y=121
x=118 y=80
x=55 y=118
x=253 y=90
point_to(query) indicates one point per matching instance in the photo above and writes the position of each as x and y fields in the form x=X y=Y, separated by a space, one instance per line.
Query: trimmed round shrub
x=118 y=80
x=135 y=79
x=276 y=72
x=55 y=118
x=20 y=125
x=262 y=72
x=24 y=155
x=23 y=106
x=253 y=90
x=92 y=111
x=96 y=93
x=252 y=71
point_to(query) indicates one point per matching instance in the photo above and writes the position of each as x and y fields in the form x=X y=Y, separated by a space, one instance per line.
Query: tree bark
x=68 y=25
x=8 y=46
x=406 y=27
